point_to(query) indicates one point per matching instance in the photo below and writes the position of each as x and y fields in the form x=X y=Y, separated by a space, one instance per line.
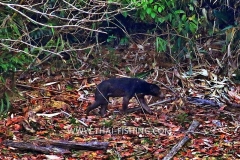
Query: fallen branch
x=92 y=146
x=53 y=146
x=35 y=147
x=75 y=118
x=38 y=88
x=200 y=101
x=164 y=101
x=178 y=146
x=131 y=110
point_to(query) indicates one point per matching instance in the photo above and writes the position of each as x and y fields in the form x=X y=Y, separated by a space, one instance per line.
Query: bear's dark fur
x=126 y=88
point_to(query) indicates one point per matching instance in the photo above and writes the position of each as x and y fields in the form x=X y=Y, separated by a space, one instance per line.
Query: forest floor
x=52 y=101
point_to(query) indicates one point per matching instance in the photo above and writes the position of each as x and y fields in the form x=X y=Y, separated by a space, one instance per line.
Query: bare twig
x=178 y=146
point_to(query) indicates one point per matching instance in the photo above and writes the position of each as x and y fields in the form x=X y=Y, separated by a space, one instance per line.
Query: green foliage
x=181 y=16
x=182 y=118
x=143 y=75
x=113 y=154
x=9 y=61
x=41 y=32
x=4 y=105
x=161 y=44
x=151 y=9
x=69 y=88
x=177 y=23
x=74 y=121
x=124 y=41
x=111 y=38
x=146 y=141
x=108 y=124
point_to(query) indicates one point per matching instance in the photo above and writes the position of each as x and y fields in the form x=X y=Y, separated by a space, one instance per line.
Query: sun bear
x=126 y=88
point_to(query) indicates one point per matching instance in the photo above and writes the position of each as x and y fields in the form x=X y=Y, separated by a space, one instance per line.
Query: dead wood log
x=27 y=146
x=200 y=101
x=178 y=146
x=53 y=146
x=93 y=145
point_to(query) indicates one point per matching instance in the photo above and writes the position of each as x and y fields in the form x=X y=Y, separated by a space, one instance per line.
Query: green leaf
x=160 y=9
x=62 y=44
x=184 y=18
x=7 y=101
x=192 y=18
x=179 y=11
x=124 y=14
x=142 y=16
x=124 y=41
x=138 y=4
x=2 y=106
x=26 y=50
x=58 y=42
x=52 y=29
x=161 y=44
x=191 y=8
x=153 y=15
x=144 y=6
x=169 y=17
x=15 y=29
x=193 y=27
x=149 y=10
x=143 y=75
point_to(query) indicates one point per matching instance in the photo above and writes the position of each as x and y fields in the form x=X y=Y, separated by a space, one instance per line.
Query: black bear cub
x=126 y=88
